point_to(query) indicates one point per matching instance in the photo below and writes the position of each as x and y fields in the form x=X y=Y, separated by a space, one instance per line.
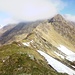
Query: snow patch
x=27 y=43
x=69 y=53
x=73 y=66
x=58 y=66
x=59 y=55
x=65 y=50
x=71 y=57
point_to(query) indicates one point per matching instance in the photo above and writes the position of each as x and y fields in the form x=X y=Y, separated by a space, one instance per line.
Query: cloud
x=70 y=17
x=6 y=21
x=31 y=10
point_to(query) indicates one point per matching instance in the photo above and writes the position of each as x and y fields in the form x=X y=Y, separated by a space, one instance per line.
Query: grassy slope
x=17 y=61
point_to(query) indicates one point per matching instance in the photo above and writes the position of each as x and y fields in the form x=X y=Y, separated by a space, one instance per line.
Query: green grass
x=21 y=63
x=18 y=62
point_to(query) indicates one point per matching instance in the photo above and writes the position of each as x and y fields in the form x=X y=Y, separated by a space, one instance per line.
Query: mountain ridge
x=53 y=37
x=62 y=26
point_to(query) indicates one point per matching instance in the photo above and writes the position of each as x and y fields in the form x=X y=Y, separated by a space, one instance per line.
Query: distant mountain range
x=45 y=47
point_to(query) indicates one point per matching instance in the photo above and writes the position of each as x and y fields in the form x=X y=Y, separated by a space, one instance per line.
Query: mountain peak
x=57 y=18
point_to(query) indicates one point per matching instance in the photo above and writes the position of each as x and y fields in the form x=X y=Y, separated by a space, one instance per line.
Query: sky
x=14 y=11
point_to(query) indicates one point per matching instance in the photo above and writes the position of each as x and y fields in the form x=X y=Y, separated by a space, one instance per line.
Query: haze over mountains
x=42 y=43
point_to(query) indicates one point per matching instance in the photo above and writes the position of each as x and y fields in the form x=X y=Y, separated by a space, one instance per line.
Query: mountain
x=15 y=33
x=7 y=27
x=39 y=48
x=63 y=27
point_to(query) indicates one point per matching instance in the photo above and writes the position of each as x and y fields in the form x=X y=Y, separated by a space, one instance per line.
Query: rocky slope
x=63 y=27
x=17 y=32
x=6 y=28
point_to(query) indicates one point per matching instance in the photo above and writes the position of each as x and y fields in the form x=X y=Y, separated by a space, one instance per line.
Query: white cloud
x=70 y=17
x=31 y=10
x=9 y=20
x=6 y=21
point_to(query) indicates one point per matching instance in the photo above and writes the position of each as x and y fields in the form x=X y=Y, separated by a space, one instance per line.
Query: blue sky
x=70 y=7
x=14 y=11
